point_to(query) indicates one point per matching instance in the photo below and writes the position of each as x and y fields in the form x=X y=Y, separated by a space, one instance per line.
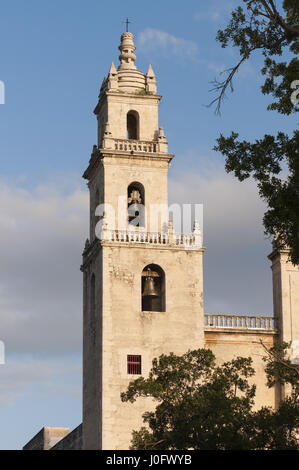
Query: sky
x=54 y=55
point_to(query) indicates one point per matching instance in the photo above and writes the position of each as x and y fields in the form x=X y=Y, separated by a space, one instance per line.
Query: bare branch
x=262 y=14
x=273 y=16
x=272 y=3
x=267 y=8
x=223 y=85
x=279 y=360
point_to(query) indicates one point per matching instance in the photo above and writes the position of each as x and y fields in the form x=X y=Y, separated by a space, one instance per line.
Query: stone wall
x=46 y=438
x=73 y=441
x=227 y=345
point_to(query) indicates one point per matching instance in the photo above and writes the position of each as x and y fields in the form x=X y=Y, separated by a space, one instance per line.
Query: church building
x=143 y=282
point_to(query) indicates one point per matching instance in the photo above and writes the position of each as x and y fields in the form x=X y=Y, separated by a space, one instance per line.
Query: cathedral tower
x=143 y=283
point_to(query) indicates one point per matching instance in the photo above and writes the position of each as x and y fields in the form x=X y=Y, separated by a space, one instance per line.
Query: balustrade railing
x=243 y=322
x=135 y=145
x=125 y=236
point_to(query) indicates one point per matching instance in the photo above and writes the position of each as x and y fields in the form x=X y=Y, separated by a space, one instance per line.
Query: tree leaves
x=274 y=160
x=205 y=406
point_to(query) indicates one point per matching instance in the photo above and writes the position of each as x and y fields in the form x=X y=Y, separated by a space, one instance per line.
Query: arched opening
x=97 y=198
x=92 y=309
x=132 y=125
x=96 y=203
x=136 y=205
x=93 y=217
x=153 y=289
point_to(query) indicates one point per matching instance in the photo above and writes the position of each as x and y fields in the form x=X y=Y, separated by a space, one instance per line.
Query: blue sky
x=53 y=58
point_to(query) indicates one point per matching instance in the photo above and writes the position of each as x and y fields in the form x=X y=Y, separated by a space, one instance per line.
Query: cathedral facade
x=142 y=282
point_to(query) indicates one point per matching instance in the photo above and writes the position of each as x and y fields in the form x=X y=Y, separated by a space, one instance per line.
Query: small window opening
x=132 y=125
x=134 y=364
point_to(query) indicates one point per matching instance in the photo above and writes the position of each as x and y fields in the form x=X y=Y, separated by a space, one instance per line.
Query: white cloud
x=215 y=12
x=230 y=206
x=19 y=376
x=237 y=275
x=154 y=40
x=41 y=240
x=212 y=15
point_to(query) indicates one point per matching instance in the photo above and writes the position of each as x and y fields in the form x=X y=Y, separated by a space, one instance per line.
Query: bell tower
x=142 y=282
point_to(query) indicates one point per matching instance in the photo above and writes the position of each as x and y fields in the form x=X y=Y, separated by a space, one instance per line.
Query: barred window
x=134 y=364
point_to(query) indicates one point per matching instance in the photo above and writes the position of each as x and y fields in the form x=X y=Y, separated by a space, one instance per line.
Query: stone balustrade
x=188 y=241
x=130 y=145
x=242 y=322
x=135 y=145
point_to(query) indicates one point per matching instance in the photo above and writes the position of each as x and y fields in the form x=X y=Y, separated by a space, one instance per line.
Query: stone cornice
x=135 y=155
x=277 y=252
x=98 y=157
x=93 y=163
x=89 y=253
x=147 y=96
x=239 y=331
x=150 y=246
x=95 y=246
x=105 y=94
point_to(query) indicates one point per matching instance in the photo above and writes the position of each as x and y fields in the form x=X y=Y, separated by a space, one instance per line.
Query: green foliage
x=280 y=369
x=282 y=90
x=203 y=406
x=270 y=430
x=264 y=160
x=272 y=161
x=199 y=405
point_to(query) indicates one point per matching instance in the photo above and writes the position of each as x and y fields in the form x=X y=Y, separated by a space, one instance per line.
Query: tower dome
x=130 y=79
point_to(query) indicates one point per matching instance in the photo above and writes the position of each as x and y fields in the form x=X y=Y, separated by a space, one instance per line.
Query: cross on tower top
x=127 y=24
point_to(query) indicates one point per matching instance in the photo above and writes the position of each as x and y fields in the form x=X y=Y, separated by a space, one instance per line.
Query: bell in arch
x=134 y=202
x=150 y=290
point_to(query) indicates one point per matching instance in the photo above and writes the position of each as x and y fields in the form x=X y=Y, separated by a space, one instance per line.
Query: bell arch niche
x=136 y=205
x=132 y=125
x=153 y=289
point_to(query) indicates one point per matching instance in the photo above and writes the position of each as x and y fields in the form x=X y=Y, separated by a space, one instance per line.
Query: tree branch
x=268 y=8
x=273 y=16
x=279 y=360
x=227 y=82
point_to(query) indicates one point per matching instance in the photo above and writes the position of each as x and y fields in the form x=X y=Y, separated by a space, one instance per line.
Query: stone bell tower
x=143 y=283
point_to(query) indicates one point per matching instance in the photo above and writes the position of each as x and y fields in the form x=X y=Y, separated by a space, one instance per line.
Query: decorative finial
x=196 y=228
x=112 y=83
x=86 y=244
x=112 y=71
x=151 y=84
x=197 y=241
x=150 y=72
x=127 y=49
x=127 y=24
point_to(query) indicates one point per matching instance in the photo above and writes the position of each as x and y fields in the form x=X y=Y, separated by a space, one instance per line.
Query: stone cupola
x=127 y=110
x=127 y=78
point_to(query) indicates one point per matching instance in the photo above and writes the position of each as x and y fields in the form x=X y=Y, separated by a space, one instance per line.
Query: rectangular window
x=134 y=364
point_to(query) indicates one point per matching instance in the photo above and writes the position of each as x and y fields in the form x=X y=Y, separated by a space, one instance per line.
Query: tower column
x=285 y=278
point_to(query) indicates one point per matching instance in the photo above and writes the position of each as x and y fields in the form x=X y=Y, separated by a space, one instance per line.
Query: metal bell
x=133 y=208
x=149 y=288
